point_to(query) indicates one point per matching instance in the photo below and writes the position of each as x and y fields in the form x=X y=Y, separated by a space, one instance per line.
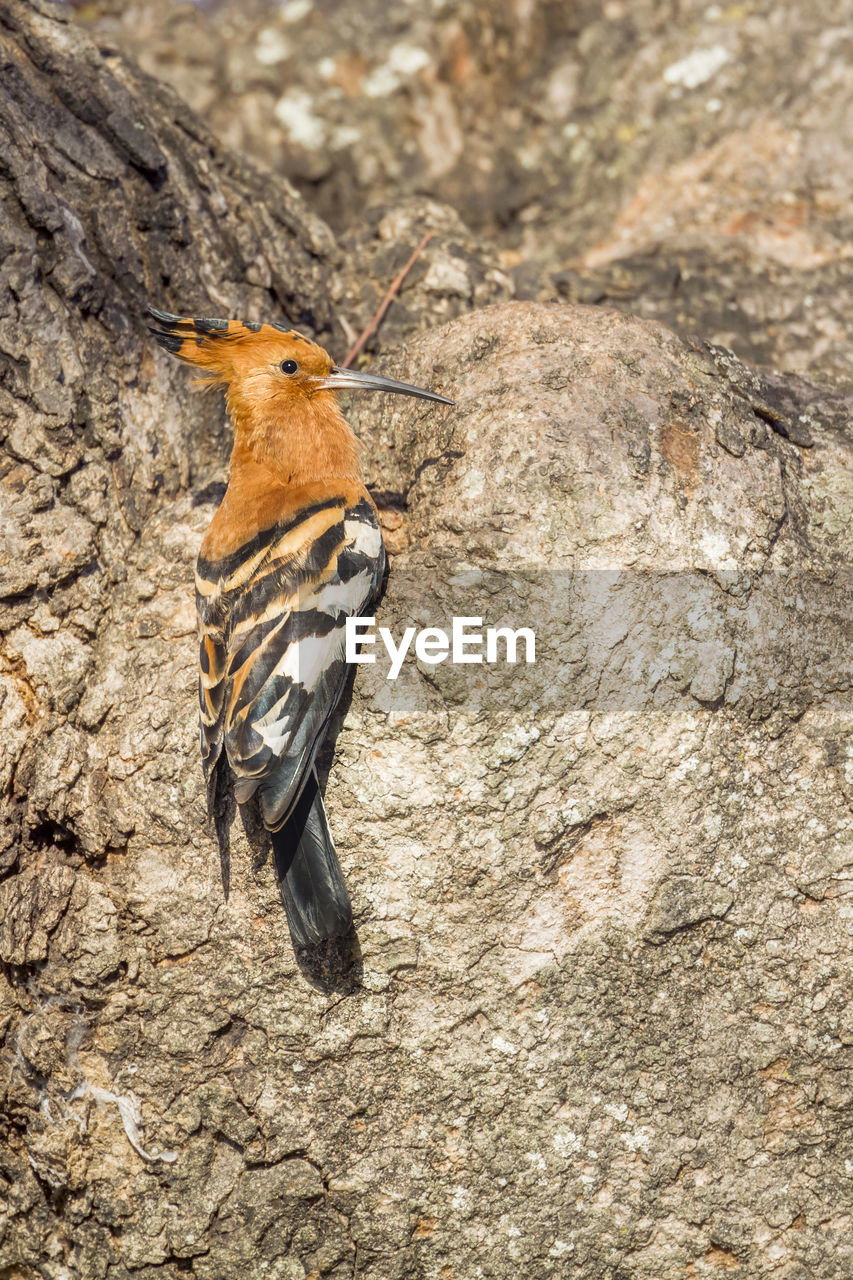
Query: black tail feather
x=312 y=886
x=220 y=811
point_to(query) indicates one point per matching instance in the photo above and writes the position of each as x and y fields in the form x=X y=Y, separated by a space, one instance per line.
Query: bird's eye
x=288 y=366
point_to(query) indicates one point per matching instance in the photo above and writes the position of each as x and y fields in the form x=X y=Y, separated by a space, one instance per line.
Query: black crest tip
x=170 y=341
x=165 y=317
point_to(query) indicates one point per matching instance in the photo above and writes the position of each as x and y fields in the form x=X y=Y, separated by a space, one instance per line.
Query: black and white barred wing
x=273 y=650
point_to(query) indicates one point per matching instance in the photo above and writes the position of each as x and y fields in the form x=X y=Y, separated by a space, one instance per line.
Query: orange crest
x=226 y=349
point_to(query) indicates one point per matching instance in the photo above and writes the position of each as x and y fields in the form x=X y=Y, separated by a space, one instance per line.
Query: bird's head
x=280 y=392
x=266 y=367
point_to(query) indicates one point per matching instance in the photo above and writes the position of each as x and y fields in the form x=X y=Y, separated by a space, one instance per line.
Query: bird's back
x=272 y=610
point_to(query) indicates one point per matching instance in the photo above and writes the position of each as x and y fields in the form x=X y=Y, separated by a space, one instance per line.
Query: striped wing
x=271 y=657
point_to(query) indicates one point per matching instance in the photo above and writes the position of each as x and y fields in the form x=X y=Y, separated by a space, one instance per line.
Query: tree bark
x=599 y=1024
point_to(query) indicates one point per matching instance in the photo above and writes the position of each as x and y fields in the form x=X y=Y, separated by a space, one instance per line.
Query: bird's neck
x=299 y=445
x=283 y=462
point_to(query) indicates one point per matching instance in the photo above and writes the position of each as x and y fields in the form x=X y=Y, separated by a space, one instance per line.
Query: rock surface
x=599 y=1026
x=689 y=162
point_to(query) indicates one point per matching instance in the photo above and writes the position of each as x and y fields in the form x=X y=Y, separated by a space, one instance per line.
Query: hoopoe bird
x=293 y=550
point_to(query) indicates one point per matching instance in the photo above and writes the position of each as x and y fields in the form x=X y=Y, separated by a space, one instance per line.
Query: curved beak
x=344 y=379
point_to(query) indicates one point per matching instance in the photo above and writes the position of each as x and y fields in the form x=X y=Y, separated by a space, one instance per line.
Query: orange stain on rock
x=680 y=446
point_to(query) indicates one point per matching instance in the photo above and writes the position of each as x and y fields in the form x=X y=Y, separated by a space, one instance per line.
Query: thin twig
x=393 y=289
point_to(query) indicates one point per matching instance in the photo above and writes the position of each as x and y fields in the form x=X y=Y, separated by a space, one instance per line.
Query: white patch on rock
x=131 y=1117
x=346 y=135
x=272 y=47
x=449 y=276
x=405 y=61
x=295 y=10
x=566 y=1142
x=698 y=67
x=461 y=1199
x=513 y=743
x=473 y=484
x=294 y=113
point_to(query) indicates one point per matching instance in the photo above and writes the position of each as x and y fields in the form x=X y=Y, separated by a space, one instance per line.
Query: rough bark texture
x=599 y=1026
